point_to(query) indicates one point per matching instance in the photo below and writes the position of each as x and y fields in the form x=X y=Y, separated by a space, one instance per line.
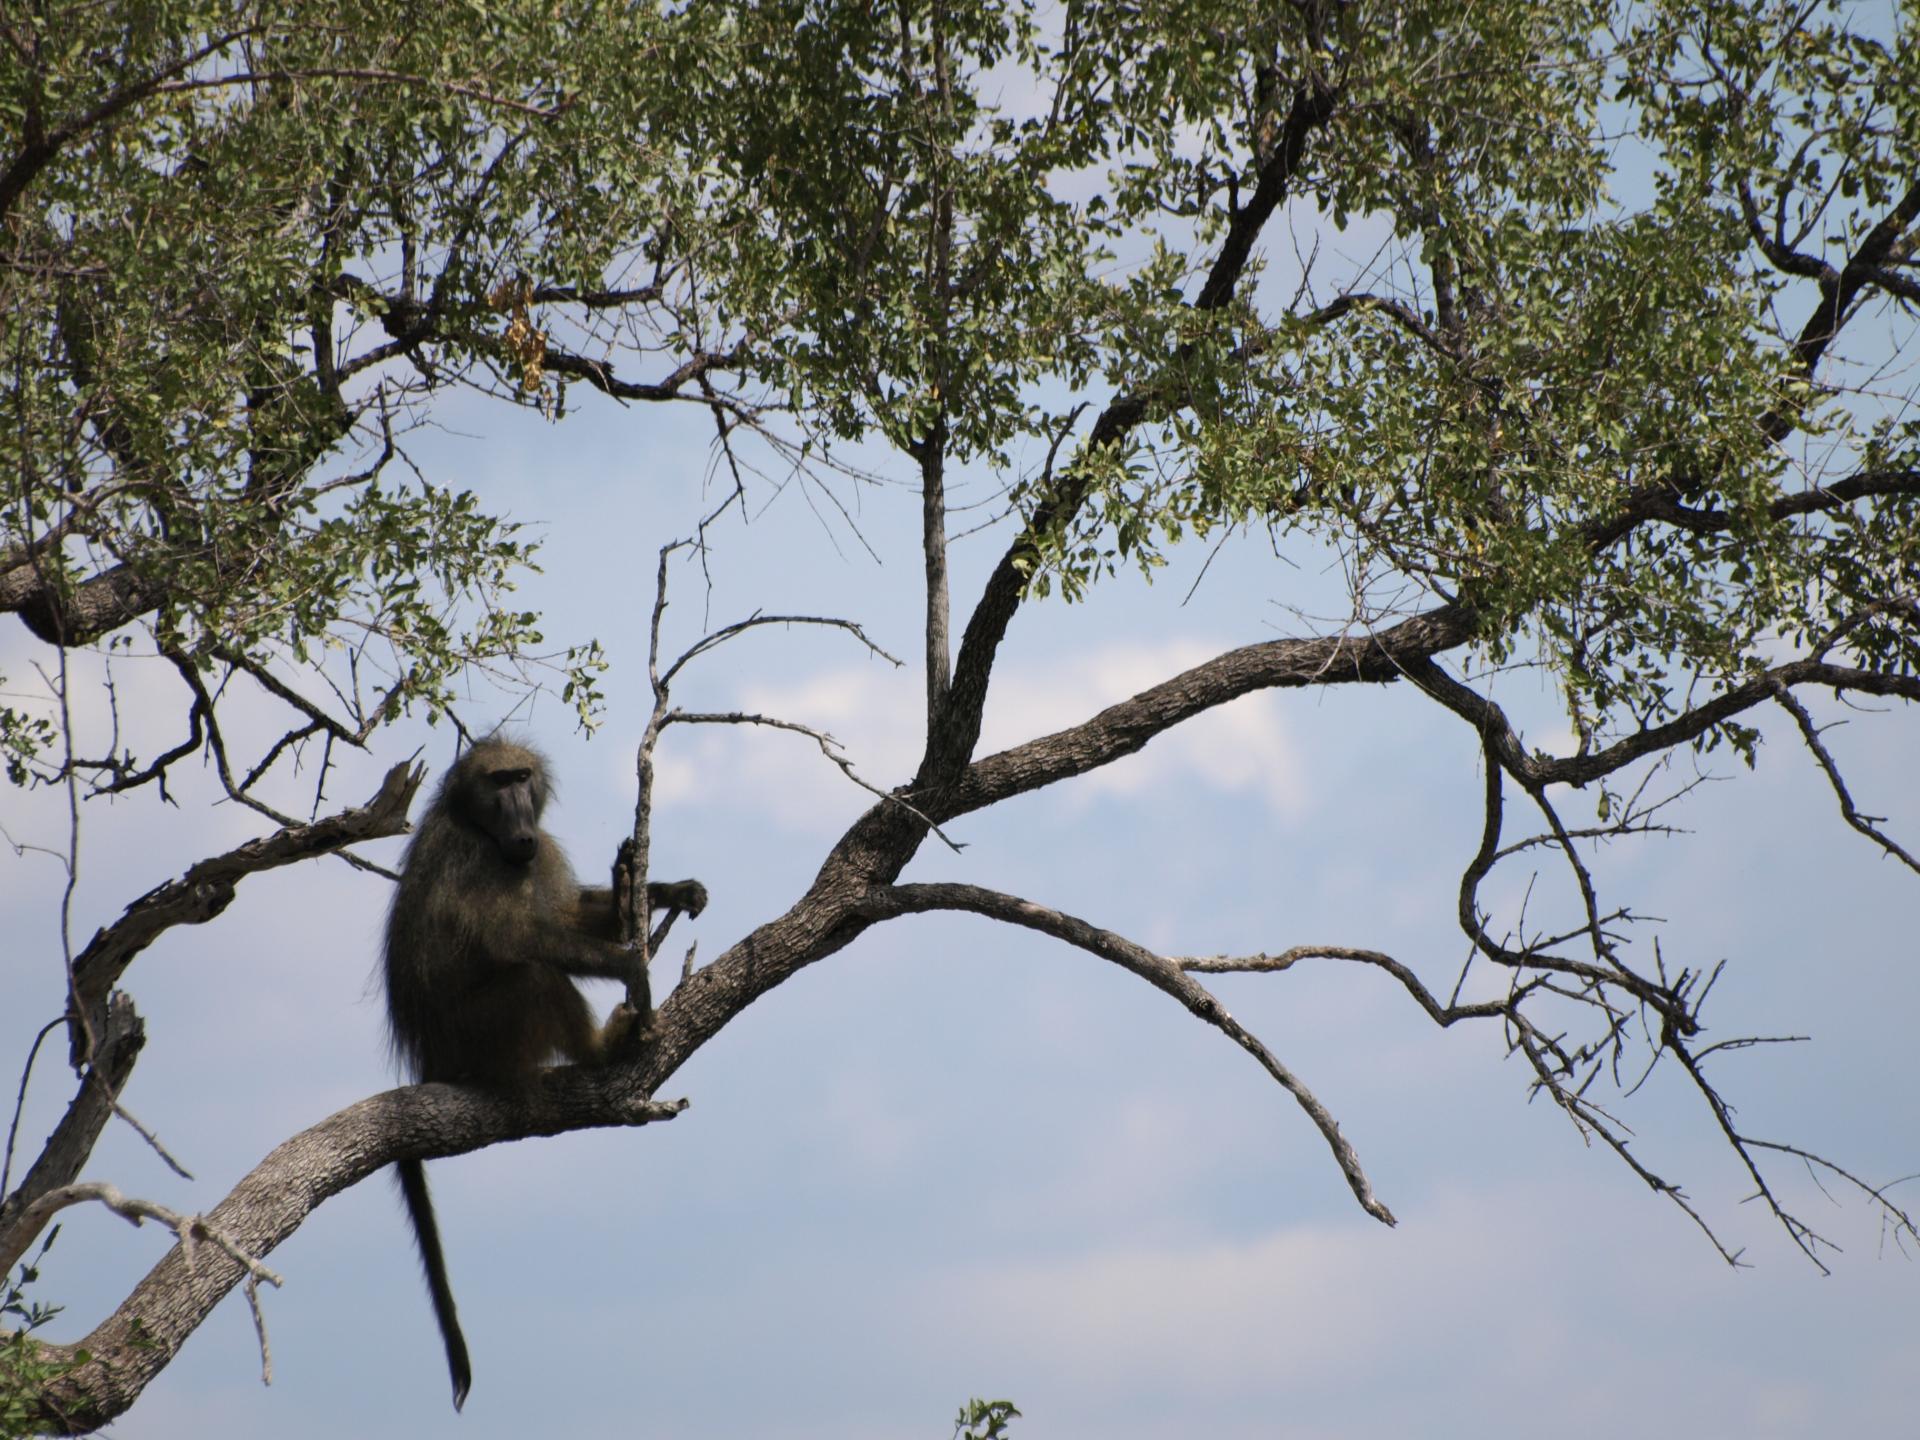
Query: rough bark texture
x=139 y=1339
x=117 y=1045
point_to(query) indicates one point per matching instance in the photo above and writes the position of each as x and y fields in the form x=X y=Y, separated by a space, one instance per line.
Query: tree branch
x=1863 y=823
x=950 y=743
x=207 y=888
x=1533 y=770
x=1165 y=975
x=421 y=1122
x=117 y=1043
x=1400 y=313
x=1442 y=1015
x=1122 y=729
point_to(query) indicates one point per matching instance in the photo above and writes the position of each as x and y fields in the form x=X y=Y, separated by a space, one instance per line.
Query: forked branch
x=208 y=887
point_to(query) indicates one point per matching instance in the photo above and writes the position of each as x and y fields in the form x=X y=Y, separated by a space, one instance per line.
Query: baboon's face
x=512 y=800
x=501 y=793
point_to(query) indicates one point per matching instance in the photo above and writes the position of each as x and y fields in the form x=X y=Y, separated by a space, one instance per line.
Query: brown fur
x=487 y=933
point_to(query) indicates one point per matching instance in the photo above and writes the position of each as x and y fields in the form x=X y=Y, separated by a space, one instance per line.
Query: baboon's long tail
x=413 y=1189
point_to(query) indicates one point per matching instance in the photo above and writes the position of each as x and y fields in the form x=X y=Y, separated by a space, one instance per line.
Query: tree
x=1613 y=395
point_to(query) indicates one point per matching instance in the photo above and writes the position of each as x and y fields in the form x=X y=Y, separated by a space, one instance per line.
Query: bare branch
x=1263 y=964
x=1747 y=1042
x=1533 y=770
x=1124 y=728
x=20 y=1101
x=422 y=1122
x=207 y=888
x=1163 y=974
x=829 y=747
x=600 y=375
x=1863 y=823
x=118 y=1039
x=1805 y=1238
x=188 y=1228
x=740 y=627
x=252 y=1288
x=1590 y=1120
x=1902 y=1221
x=153 y=1140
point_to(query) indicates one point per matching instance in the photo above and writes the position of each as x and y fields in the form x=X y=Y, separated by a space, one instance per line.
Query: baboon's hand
x=687 y=895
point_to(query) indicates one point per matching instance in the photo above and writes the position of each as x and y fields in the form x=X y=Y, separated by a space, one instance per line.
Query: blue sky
x=956 y=1160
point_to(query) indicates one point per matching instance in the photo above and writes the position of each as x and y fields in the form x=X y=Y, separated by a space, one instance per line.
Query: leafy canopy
x=1555 y=345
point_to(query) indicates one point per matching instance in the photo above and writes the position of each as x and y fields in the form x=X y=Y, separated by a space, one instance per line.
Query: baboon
x=488 y=930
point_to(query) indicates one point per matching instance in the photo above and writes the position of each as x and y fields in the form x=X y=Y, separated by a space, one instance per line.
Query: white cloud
x=875 y=713
x=1241 y=747
x=1480 y=1310
x=1297 y=1304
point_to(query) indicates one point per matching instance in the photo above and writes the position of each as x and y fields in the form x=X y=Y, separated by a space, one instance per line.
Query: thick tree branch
x=1838 y=291
x=417 y=1122
x=600 y=375
x=207 y=888
x=1534 y=770
x=950 y=743
x=1122 y=729
x=117 y=1044
x=1821 y=499
x=91 y=608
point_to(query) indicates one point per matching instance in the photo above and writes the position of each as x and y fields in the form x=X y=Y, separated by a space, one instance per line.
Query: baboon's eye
x=506 y=778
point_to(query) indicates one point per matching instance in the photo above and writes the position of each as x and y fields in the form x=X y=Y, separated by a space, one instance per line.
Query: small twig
x=1442 y=1014
x=1863 y=823
x=828 y=747
x=260 y=1329
x=1745 y=1042
x=1877 y=1193
x=188 y=1228
x=20 y=1100
x=1635 y=819
x=153 y=1141
x=738 y=627
x=1590 y=1121
x=1804 y=1237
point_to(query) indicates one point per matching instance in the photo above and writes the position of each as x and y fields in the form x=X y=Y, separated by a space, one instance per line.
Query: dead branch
x=1863 y=823
x=829 y=747
x=208 y=887
x=1442 y=1015
x=188 y=1228
x=1163 y=974
x=756 y=621
x=119 y=1039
